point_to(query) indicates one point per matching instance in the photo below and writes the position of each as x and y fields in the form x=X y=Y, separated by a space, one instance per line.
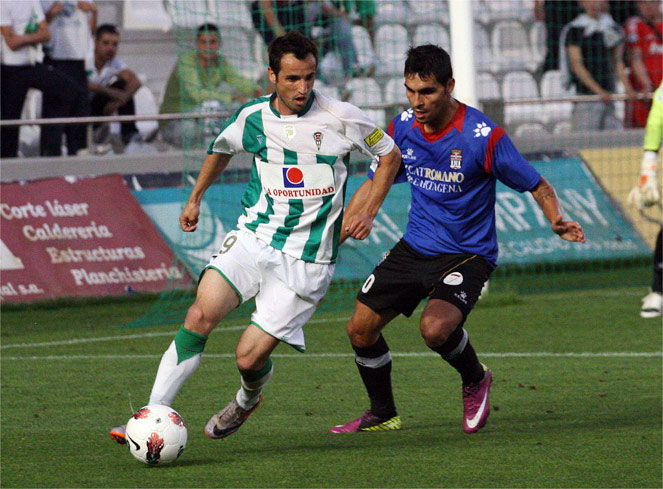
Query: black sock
x=374 y=364
x=657 y=284
x=460 y=354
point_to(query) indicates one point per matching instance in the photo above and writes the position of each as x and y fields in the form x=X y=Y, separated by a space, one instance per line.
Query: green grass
x=557 y=421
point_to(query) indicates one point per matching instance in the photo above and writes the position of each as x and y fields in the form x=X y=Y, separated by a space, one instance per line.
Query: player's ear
x=271 y=75
x=450 y=85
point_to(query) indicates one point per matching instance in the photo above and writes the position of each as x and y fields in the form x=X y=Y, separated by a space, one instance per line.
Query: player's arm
x=16 y=41
x=213 y=165
x=366 y=202
x=545 y=196
x=580 y=70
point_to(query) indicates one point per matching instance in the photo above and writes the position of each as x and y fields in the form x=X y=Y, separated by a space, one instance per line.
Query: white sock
x=171 y=376
x=249 y=394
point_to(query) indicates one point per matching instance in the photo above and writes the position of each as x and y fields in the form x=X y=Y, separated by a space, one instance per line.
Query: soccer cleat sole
x=118 y=437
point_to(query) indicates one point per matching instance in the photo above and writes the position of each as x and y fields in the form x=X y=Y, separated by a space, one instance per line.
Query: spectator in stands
x=72 y=25
x=335 y=34
x=365 y=11
x=591 y=56
x=644 y=47
x=202 y=76
x=24 y=29
x=112 y=84
x=556 y=14
x=273 y=18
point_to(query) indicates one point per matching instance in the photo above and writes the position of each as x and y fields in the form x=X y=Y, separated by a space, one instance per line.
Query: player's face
x=430 y=100
x=294 y=83
x=208 y=45
x=106 y=46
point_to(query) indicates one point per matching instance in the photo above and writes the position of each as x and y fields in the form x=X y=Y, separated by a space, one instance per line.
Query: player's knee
x=361 y=335
x=248 y=363
x=436 y=330
x=200 y=320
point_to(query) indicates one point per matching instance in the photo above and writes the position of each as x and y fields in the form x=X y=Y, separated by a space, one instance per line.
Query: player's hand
x=568 y=230
x=646 y=193
x=358 y=226
x=189 y=217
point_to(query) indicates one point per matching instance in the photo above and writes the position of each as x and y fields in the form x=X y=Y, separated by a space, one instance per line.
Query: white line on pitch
x=141 y=335
x=543 y=354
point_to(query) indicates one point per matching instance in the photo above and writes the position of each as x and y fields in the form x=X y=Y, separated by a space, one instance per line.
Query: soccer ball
x=156 y=434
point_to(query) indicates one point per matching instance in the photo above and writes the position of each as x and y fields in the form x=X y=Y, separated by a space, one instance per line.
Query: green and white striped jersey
x=294 y=199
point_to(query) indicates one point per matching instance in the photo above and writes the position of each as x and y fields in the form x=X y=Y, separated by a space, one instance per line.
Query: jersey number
x=227 y=244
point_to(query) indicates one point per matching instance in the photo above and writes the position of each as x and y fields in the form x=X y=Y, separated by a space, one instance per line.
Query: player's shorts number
x=227 y=244
x=368 y=284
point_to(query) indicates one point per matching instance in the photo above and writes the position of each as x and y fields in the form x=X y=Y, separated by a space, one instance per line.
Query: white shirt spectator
x=105 y=75
x=70 y=32
x=18 y=15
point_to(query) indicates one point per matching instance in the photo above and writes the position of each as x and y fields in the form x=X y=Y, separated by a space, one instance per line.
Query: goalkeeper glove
x=646 y=193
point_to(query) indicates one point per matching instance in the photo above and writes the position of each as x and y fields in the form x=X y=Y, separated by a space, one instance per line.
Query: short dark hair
x=429 y=60
x=106 y=29
x=294 y=42
x=207 y=28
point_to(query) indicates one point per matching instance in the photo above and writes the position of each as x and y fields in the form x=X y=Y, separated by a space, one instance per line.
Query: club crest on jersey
x=456 y=160
x=289 y=131
x=293 y=177
x=317 y=137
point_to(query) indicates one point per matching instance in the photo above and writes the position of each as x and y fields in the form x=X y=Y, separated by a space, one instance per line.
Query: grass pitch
x=576 y=401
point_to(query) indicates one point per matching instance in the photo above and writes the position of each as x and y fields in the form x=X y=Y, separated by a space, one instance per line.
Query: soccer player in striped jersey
x=452 y=155
x=285 y=245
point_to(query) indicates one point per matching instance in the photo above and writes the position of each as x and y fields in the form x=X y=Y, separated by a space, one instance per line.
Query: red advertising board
x=78 y=238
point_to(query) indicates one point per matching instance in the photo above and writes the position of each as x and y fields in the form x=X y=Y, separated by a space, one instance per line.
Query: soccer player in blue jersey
x=452 y=156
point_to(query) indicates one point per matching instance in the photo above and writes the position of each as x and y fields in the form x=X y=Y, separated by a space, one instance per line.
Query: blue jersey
x=452 y=174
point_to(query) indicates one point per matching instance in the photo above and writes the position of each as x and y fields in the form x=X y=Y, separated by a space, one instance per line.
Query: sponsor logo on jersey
x=293 y=177
x=409 y=155
x=372 y=139
x=482 y=130
x=456 y=160
x=317 y=137
x=289 y=131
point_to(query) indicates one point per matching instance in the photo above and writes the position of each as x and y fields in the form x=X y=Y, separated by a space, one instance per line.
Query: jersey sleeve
x=654 y=128
x=364 y=134
x=506 y=163
x=229 y=140
x=401 y=176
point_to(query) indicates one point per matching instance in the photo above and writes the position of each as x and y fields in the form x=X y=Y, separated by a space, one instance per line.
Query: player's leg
x=373 y=360
x=652 y=303
x=452 y=298
x=255 y=369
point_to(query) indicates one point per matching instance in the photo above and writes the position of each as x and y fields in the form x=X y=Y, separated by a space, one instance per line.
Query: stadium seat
x=537 y=40
x=232 y=14
x=483 y=56
x=563 y=127
x=237 y=47
x=325 y=89
x=378 y=116
x=330 y=69
x=521 y=85
x=394 y=92
x=530 y=129
x=363 y=46
x=487 y=87
x=425 y=11
x=193 y=14
x=432 y=34
x=146 y=104
x=391 y=45
x=390 y=12
x=552 y=86
x=510 y=45
x=365 y=92
x=497 y=10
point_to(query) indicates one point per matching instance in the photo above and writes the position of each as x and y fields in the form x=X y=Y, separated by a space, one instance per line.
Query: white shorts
x=287 y=290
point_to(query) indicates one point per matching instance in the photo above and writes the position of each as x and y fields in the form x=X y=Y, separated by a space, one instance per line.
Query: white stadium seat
x=390 y=11
x=237 y=47
x=391 y=45
x=483 y=56
x=425 y=11
x=563 y=127
x=530 y=129
x=510 y=45
x=364 y=92
x=432 y=34
x=552 y=86
x=325 y=89
x=394 y=92
x=537 y=40
x=487 y=87
x=521 y=85
x=363 y=46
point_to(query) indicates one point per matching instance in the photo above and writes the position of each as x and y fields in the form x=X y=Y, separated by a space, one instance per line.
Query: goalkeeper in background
x=647 y=194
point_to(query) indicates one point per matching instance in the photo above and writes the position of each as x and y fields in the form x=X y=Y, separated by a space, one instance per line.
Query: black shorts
x=404 y=277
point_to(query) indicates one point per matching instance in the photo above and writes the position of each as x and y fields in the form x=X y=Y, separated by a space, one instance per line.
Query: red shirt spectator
x=644 y=35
